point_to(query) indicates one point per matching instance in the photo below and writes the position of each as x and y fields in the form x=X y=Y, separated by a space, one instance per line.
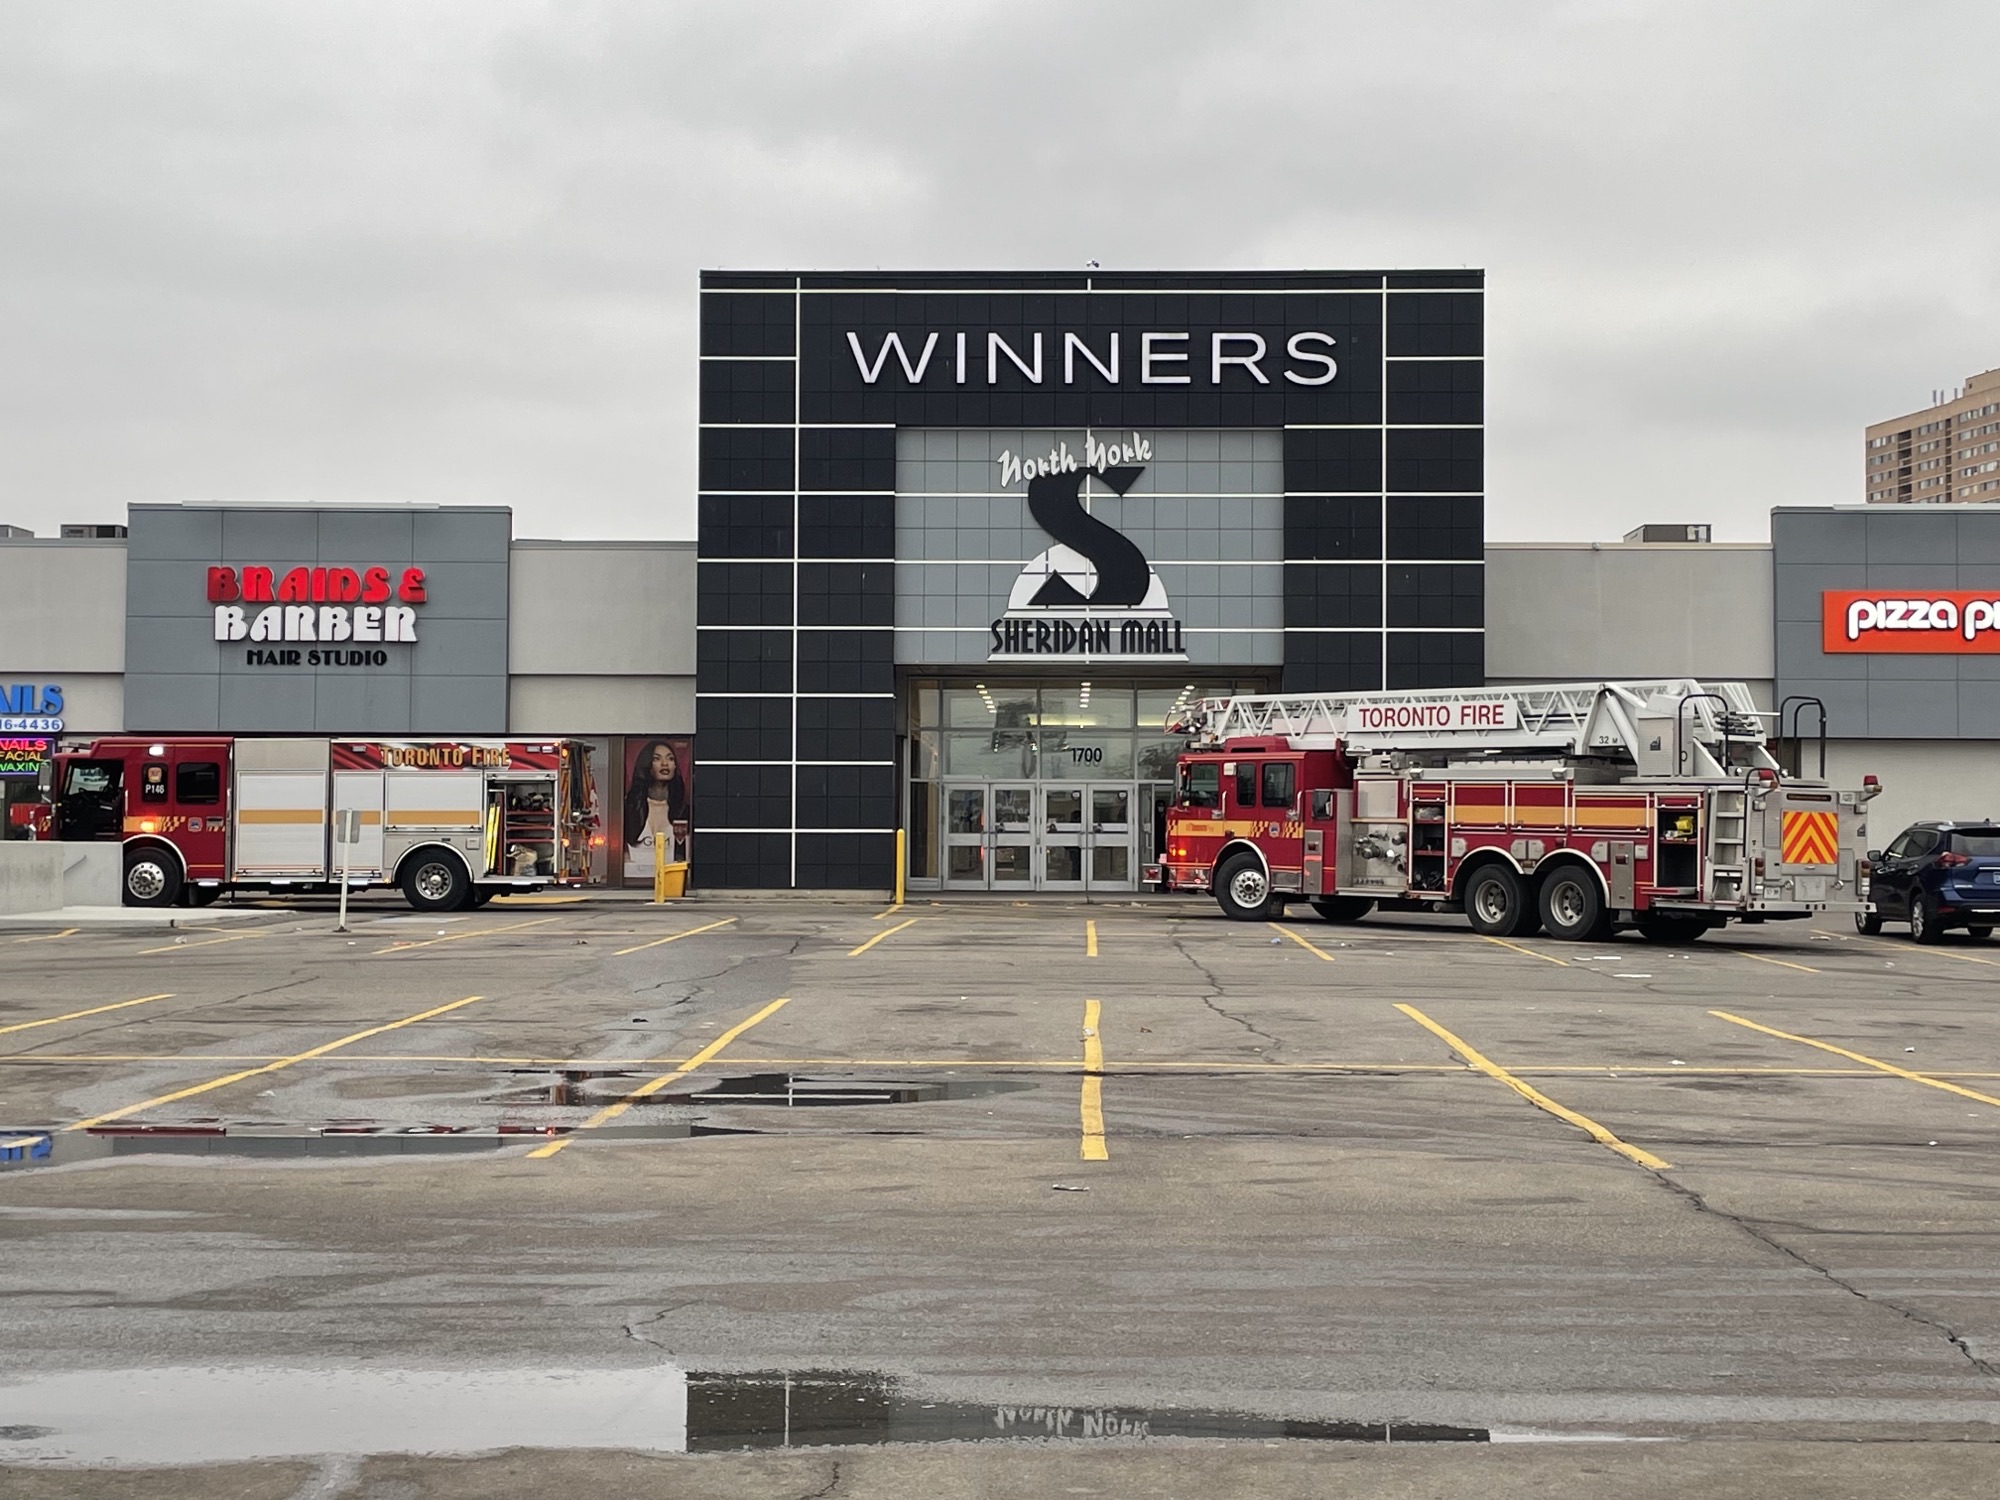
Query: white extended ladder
x=1673 y=726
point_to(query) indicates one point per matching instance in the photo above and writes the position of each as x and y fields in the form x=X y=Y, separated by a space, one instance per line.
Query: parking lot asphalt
x=983 y=1169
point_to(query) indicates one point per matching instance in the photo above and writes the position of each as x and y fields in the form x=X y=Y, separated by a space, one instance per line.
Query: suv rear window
x=1976 y=842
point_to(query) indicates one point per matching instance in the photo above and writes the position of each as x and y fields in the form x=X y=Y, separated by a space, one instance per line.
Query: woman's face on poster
x=664 y=766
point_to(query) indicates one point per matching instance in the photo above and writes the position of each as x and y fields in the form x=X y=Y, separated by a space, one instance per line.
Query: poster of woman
x=658 y=773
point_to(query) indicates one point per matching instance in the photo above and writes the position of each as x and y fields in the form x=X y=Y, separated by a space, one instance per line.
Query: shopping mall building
x=965 y=541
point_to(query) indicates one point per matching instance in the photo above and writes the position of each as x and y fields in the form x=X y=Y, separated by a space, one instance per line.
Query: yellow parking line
x=653 y=1086
x=673 y=937
x=1928 y=951
x=1090 y=940
x=884 y=933
x=50 y=937
x=453 y=937
x=1545 y=958
x=1534 y=1095
x=270 y=1067
x=1093 y=1085
x=898 y=906
x=183 y=945
x=20 y=1142
x=1309 y=947
x=1923 y=1078
x=78 y=1015
x=1759 y=958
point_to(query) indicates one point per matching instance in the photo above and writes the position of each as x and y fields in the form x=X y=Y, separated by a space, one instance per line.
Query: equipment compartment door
x=361 y=791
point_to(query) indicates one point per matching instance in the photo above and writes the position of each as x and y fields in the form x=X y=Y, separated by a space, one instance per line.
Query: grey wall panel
x=1887 y=548
x=62 y=608
x=362 y=701
x=1819 y=536
x=1895 y=704
x=1797 y=588
x=467 y=591
x=461 y=627
x=369 y=533
x=1979 y=714
x=459 y=705
x=1900 y=536
x=164 y=702
x=459 y=536
x=273 y=702
x=268 y=536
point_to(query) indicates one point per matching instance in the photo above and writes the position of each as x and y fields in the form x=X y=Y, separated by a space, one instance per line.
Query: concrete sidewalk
x=125 y=918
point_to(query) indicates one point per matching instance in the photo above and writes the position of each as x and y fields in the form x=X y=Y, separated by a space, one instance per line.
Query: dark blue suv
x=1934 y=876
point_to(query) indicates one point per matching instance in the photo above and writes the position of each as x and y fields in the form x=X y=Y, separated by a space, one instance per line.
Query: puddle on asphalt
x=783 y=1090
x=32 y=1148
x=178 y=1415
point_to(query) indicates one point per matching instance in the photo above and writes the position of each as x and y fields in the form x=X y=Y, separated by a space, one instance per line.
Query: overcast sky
x=448 y=252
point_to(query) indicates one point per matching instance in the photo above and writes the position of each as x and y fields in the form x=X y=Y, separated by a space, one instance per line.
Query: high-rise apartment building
x=1946 y=452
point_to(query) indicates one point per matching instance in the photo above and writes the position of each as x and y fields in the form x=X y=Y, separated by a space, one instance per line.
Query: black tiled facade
x=796 y=678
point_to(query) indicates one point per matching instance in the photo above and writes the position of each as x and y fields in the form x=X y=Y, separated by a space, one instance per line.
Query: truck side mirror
x=45 y=779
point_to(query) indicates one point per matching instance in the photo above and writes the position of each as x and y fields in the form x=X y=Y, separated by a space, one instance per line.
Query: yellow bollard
x=902 y=863
x=659 y=870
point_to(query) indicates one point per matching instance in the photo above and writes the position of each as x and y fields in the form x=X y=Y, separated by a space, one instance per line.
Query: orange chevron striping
x=1810 y=838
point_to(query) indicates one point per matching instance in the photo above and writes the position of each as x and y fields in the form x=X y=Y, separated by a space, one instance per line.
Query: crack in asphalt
x=632 y=1329
x=832 y=1484
x=1951 y=1336
x=1215 y=992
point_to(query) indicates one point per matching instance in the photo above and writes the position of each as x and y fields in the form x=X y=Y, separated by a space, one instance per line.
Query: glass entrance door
x=1063 y=838
x=1111 y=838
x=1068 y=837
x=1013 y=860
x=966 y=821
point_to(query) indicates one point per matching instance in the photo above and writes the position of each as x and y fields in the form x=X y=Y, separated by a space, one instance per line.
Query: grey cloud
x=448 y=252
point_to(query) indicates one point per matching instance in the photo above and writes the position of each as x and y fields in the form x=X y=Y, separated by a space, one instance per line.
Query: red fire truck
x=451 y=822
x=1568 y=809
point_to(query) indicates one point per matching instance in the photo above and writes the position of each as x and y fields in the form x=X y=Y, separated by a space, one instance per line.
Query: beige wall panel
x=1958 y=779
x=602 y=608
x=62 y=609
x=600 y=705
x=1561 y=612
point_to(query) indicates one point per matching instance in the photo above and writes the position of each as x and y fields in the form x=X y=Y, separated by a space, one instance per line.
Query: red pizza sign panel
x=1954 y=622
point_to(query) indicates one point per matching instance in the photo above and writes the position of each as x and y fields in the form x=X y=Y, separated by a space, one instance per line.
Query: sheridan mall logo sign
x=1093 y=595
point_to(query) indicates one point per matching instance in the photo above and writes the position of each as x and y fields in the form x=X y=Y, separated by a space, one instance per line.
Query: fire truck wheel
x=1343 y=908
x=436 y=881
x=1572 y=907
x=1243 y=889
x=1868 y=922
x=1662 y=929
x=152 y=878
x=1496 y=902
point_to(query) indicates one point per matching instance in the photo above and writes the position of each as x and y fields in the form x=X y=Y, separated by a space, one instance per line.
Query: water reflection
x=191 y=1414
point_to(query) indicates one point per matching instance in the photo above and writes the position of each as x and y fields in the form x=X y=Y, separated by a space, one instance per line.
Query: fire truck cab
x=1569 y=809
x=452 y=823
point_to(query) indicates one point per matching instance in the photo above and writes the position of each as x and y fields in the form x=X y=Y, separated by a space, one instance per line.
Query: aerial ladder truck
x=1569 y=809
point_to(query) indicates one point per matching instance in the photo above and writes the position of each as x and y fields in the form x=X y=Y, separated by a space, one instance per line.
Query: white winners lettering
x=367 y=623
x=1165 y=358
x=914 y=373
x=1452 y=717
